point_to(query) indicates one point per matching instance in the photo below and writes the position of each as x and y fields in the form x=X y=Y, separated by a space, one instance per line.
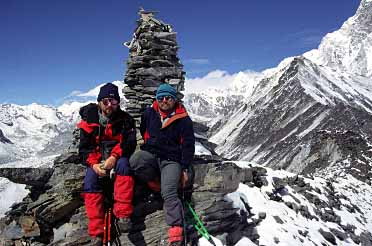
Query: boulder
x=28 y=176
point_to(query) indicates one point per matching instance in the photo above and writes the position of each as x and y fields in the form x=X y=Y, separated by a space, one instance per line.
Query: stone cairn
x=152 y=60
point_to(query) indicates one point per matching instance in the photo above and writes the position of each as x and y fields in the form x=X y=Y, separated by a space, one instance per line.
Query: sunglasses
x=107 y=101
x=167 y=98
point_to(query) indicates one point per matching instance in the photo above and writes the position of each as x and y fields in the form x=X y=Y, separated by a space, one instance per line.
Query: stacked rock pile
x=152 y=60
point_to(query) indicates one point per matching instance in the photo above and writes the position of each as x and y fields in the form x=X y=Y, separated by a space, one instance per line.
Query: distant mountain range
x=311 y=113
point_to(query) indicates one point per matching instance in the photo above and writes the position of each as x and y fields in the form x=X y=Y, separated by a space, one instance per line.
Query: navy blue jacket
x=172 y=140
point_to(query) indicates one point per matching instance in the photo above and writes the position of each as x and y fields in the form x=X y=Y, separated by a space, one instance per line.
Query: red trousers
x=123 y=194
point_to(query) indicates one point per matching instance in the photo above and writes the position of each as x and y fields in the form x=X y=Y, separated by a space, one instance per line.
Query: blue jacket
x=171 y=140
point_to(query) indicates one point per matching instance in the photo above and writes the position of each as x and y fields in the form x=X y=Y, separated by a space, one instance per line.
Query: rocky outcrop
x=53 y=213
x=57 y=216
x=323 y=209
x=28 y=176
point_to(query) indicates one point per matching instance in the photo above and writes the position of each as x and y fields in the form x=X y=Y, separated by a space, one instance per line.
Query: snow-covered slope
x=312 y=111
x=293 y=210
x=349 y=48
x=29 y=128
x=332 y=210
x=218 y=93
x=33 y=135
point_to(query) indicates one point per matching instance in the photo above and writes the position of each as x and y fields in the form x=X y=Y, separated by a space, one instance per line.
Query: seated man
x=167 y=153
x=107 y=139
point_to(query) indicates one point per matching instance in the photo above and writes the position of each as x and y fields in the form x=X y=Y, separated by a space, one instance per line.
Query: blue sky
x=49 y=48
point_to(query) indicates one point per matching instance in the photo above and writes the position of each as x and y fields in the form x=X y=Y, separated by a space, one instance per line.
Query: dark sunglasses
x=107 y=101
x=167 y=98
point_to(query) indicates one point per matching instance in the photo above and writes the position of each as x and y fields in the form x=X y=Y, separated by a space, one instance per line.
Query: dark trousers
x=147 y=168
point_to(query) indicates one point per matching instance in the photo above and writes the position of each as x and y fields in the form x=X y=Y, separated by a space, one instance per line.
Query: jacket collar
x=179 y=113
x=92 y=115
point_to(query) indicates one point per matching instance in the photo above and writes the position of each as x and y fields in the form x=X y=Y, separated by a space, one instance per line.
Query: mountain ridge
x=303 y=100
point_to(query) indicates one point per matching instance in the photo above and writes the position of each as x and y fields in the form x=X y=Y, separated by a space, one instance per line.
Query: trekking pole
x=183 y=216
x=199 y=226
x=114 y=221
x=109 y=228
x=104 y=240
x=117 y=233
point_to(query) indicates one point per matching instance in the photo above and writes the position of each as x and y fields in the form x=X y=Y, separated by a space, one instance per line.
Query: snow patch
x=201 y=150
x=10 y=193
x=315 y=123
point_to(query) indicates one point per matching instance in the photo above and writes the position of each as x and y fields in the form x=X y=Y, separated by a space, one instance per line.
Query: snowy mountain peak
x=33 y=130
x=348 y=49
x=245 y=82
x=312 y=112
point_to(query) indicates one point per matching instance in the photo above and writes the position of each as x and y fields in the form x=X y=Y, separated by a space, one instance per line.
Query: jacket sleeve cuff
x=115 y=155
x=116 y=151
x=184 y=165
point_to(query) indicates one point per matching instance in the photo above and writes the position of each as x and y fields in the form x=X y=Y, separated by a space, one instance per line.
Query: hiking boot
x=96 y=241
x=124 y=224
x=179 y=243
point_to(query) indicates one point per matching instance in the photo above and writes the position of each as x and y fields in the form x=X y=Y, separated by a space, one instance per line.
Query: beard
x=166 y=106
x=109 y=111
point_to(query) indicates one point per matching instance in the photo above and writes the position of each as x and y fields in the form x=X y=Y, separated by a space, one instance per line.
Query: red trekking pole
x=107 y=228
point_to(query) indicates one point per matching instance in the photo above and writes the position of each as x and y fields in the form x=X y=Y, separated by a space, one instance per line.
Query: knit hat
x=166 y=90
x=109 y=90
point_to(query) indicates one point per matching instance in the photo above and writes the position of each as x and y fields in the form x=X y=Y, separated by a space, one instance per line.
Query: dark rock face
x=4 y=139
x=353 y=152
x=366 y=239
x=28 y=176
x=328 y=236
x=287 y=128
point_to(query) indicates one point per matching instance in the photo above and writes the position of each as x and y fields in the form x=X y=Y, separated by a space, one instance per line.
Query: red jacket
x=120 y=131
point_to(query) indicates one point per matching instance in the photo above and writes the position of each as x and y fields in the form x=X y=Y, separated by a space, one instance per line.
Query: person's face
x=108 y=106
x=166 y=103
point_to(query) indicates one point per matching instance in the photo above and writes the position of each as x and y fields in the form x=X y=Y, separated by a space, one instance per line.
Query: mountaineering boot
x=96 y=241
x=179 y=243
x=175 y=236
x=124 y=224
